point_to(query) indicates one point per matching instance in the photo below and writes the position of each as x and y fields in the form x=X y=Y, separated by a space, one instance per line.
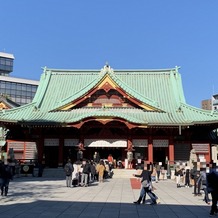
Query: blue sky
x=143 y=34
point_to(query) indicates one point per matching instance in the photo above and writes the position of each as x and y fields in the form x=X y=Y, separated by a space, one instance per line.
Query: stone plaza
x=49 y=197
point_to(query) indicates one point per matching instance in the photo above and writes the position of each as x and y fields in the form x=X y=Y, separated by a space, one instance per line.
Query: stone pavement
x=43 y=197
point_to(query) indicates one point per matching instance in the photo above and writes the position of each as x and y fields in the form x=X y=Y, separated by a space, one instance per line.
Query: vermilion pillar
x=171 y=151
x=150 y=150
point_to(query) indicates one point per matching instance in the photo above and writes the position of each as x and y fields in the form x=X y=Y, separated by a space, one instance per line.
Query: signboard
x=71 y=142
x=160 y=143
x=140 y=143
x=51 y=142
x=201 y=148
x=27 y=169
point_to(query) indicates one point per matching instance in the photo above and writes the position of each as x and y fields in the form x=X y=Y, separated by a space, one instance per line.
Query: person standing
x=75 y=174
x=100 y=169
x=96 y=157
x=85 y=173
x=110 y=159
x=6 y=176
x=154 y=174
x=129 y=158
x=158 y=166
x=178 y=174
x=1 y=175
x=212 y=187
x=68 y=168
x=195 y=175
x=187 y=177
x=79 y=155
x=93 y=171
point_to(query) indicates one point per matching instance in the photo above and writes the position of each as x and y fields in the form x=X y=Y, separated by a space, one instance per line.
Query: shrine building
x=111 y=112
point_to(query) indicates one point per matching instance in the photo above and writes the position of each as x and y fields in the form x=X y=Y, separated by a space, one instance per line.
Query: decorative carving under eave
x=107 y=87
x=3 y=106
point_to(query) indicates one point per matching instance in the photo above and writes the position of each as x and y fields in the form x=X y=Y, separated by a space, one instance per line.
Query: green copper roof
x=158 y=88
x=161 y=89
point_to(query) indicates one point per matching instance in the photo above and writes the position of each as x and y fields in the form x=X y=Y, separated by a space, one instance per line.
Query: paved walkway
x=42 y=197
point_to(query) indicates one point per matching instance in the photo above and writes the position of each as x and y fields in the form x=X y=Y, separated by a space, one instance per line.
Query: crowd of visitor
x=84 y=172
x=203 y=178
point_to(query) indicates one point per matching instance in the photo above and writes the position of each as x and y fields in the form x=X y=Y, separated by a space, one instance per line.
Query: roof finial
x=177 y=68
x=106 y=69
x=107 y=65
x=44 y=69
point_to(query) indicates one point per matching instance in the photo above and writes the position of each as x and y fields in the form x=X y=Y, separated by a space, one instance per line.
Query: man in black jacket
x=85 y=173
x=6 y=175
x=146 y=186
x=212 y=187
x=195 y=174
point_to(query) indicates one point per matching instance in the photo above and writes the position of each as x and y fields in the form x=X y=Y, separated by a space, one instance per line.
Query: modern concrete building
x=13 y=91
x=206 y=104
x=210 y=104
x=19 y=90
x=215 y=102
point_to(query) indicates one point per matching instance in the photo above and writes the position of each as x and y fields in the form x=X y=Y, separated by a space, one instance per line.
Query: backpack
x=68 y=169
x=87 y=168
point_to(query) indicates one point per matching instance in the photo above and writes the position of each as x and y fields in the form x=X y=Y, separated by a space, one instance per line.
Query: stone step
x=59 y=173
x=124 y=173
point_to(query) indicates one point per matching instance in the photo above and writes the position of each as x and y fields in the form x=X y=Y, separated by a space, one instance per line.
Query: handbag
x=145 y=183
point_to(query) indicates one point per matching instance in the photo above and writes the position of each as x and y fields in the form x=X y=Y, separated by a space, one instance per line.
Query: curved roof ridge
x=43 y=85
x=22 y=107
x=77 y=94
x=197 y=109
x=115 y=70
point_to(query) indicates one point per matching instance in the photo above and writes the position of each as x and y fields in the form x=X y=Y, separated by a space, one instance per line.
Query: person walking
x=202 y=182
x=146 y=186
x=68 y=168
